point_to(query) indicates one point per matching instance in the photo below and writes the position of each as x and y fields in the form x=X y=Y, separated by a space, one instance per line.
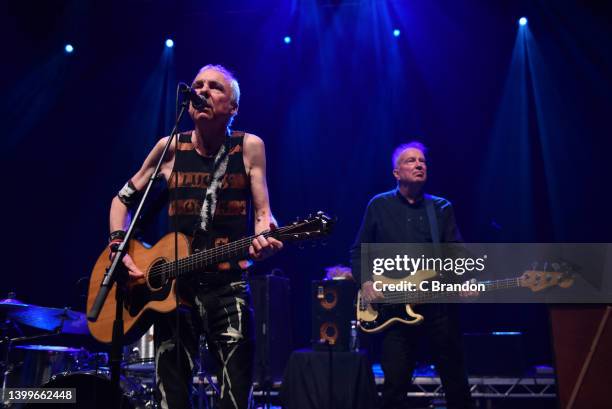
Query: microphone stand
x=117 y=274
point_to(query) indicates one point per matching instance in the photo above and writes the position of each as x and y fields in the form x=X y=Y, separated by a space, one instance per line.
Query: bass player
x=401 y=216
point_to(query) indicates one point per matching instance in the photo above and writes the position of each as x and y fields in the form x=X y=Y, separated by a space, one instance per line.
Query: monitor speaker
x=332 y=311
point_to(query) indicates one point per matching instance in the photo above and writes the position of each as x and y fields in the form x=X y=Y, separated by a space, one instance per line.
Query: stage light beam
x=69 y=48
x=287 y=40
x=396 y=33
x=523 y=21
x=169 y=43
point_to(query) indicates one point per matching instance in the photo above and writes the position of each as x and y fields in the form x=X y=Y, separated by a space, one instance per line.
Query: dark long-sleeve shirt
x=390 y=218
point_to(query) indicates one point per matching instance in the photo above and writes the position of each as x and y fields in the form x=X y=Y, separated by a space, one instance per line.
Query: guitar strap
x=211 y=195
x=433 y=224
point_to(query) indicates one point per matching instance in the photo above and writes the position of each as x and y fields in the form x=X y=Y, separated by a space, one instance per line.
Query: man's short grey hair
x=229 y=76
x=233 y=84
x=400 y=149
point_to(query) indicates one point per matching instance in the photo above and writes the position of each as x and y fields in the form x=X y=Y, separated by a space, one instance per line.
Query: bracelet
x=117 y=235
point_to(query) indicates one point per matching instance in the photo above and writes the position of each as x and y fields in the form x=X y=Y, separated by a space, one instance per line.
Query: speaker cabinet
x=271 y=301
x=332 y=311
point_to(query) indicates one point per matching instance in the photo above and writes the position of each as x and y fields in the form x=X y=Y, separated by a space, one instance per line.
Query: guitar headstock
x=314 y=227
x=545 y=275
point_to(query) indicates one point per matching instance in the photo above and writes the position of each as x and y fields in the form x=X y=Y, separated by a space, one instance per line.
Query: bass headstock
x=545 y=275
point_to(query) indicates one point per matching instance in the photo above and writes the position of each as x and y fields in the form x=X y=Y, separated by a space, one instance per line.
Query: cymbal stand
x=204 y=375
x=6 y=364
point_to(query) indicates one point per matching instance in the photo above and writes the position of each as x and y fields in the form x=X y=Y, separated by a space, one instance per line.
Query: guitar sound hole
x=157 y=276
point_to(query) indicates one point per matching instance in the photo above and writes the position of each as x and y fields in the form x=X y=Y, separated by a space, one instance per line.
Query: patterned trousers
x=224 y=315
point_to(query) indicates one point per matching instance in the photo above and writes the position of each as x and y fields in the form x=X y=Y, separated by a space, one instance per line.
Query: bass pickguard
x=380 y=316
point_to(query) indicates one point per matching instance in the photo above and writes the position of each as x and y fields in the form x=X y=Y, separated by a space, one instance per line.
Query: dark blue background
x=517 y=122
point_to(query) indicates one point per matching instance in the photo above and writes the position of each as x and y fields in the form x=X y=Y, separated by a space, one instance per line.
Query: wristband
x=117 y=235
x=129 y=195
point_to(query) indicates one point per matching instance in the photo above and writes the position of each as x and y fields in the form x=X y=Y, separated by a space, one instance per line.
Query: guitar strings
x=200 y=257
x=207 y=257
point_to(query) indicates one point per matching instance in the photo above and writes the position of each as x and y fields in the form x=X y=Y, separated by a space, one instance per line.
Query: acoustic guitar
x=155 y=292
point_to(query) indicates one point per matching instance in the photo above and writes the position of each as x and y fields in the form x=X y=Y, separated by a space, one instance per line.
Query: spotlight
x=169 y=43
x=396 y=32
x=287 y=40
x=523 y=21
x=69 y=48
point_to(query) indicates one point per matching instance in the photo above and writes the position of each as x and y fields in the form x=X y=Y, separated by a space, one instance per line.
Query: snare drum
x=34 y=365
x=94 y=391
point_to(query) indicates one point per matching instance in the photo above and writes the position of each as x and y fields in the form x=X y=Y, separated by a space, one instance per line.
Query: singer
x=213 y=175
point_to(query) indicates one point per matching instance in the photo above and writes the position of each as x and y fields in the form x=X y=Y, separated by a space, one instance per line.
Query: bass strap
x=433 y=224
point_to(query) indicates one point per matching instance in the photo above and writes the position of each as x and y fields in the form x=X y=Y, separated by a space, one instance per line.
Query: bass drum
x=93 y=391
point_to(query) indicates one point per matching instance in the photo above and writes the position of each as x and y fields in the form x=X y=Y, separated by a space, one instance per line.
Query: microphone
x=198 y=101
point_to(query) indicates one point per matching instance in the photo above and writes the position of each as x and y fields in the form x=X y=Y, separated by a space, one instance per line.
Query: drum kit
x=29 y=362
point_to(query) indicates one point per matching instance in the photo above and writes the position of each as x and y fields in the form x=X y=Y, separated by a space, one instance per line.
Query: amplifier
x=333 y=309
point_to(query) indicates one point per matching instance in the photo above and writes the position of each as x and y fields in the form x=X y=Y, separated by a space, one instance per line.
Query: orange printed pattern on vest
x=198 y=180
x=236 y=149
x=185 y=207
x=231 y=208
x=185 y=146
x=234 y=181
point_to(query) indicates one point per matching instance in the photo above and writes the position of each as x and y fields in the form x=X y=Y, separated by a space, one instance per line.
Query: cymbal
x=50 y=319
x=8 y=305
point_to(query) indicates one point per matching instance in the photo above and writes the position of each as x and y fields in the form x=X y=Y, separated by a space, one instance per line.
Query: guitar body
x=144 y=298
x=373 y=318
x=377 y=317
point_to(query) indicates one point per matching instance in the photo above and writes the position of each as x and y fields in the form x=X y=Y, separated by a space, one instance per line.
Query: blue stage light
x=69 y=48
x=396 y=33
x=523 y=21
x=287 y=40
x=169 y=43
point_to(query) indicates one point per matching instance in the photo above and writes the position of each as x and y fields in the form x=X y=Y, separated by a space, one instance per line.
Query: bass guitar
x=375 y=317
x=155 y=292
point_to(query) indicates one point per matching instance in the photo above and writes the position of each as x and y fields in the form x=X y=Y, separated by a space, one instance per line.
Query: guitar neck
x=501 y=284
x=312 y=228
x=197 y=262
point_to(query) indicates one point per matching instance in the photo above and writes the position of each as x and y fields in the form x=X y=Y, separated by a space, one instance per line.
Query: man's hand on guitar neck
x=263 y=247
x=369 y=294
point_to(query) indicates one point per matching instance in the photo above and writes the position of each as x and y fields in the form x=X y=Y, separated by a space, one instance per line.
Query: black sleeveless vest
x=231 y=219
